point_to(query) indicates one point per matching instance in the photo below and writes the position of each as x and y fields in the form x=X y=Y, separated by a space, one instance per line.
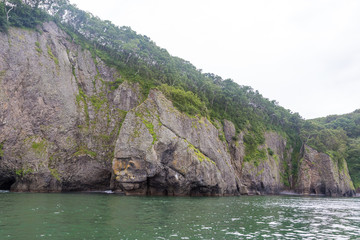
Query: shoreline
x=110 y=192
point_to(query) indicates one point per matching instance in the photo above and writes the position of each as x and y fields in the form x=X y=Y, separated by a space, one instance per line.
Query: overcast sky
x=305 y=53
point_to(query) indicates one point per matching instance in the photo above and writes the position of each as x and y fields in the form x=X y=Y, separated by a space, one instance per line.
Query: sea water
x=111 y=216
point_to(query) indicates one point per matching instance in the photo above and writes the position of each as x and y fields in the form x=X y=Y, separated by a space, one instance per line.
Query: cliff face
x=69 y=123
x=59 y=116
x=162 y=151
x=319 y=174
x=262 y=176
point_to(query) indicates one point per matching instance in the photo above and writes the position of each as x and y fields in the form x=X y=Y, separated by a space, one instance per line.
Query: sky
x=305 y=54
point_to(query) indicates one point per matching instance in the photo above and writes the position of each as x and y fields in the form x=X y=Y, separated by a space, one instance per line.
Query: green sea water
x=110 y=216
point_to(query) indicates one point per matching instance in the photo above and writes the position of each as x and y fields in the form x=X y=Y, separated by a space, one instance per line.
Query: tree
x=3 y=20
x=8 y=7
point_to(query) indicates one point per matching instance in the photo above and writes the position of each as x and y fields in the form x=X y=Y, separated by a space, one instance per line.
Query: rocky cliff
x=59 y=114
x=68 y=122
x=319 y=174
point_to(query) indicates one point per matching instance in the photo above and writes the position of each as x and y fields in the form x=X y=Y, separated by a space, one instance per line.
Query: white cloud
x=305 y=54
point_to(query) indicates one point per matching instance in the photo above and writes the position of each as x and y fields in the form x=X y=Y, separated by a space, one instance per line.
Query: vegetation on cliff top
x=338 y=136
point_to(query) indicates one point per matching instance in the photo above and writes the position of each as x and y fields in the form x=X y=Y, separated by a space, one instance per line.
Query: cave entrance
x=5 y=183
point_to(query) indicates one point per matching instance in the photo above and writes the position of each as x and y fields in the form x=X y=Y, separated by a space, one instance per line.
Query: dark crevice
x=148 y=192
x=6 y=182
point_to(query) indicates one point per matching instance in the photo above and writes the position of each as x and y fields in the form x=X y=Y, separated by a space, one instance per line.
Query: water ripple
x=110 y=216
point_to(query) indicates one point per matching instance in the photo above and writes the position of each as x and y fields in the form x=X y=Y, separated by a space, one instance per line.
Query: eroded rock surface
x=162 y=151
x=60 y=114
x=319 y=174
x=261 y=176
x=68 y=122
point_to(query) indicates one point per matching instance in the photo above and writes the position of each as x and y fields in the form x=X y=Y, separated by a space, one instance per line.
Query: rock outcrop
x=162 y=151
x=59 y=116
x=319 y=174
x=68 y=122
x=261 y=176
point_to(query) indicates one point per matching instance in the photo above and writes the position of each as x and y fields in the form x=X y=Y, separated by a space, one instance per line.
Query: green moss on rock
x=83 y=150
x=55 y=174
x=1 y=150
x=148 y=125
x=200 y=156
x=38 y=48
x=51 y=55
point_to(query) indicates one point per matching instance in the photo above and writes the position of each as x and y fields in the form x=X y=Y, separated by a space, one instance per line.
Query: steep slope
x=82 y=108
x=160 y=150
x=319 y=174
x=339 y=130
x=163 y=151
x=59 y=117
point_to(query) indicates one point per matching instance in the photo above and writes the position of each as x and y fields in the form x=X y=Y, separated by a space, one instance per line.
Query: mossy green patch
x=2 y=74
x=276 y=158
x=1 y=150
x=105 y=137
x=222 y=136
x=81 y=98
x=73 y=71
x=120 y=116
x=37 y=146
x=260 y=172
x=115 y=84
x=55 y=174
x=194 y=124
x=23 y=171
x=256 y=156
x=200 y=156
x=83 y=150
x=148 y=125
x=97 y=101
x=159 y=121
x=51 y=55
x=38 y=48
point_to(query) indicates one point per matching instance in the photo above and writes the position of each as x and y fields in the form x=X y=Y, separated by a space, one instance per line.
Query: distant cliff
x=70 y=122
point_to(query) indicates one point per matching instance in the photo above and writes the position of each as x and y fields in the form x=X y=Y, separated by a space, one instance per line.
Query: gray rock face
x=319 y=174
x=68 y=122
x=261 y=176
x=59 y=116
x=162 y=151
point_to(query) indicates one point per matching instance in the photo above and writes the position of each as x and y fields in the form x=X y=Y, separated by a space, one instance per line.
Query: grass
x=38 y=48
x=149 y=126
x=55 y=59
x=81 y=97
x=83 y=150
x=1 y=150
x=39 y=147
x=97 y=102
x=200 y=156
x=22 y=172
x=55 y=174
